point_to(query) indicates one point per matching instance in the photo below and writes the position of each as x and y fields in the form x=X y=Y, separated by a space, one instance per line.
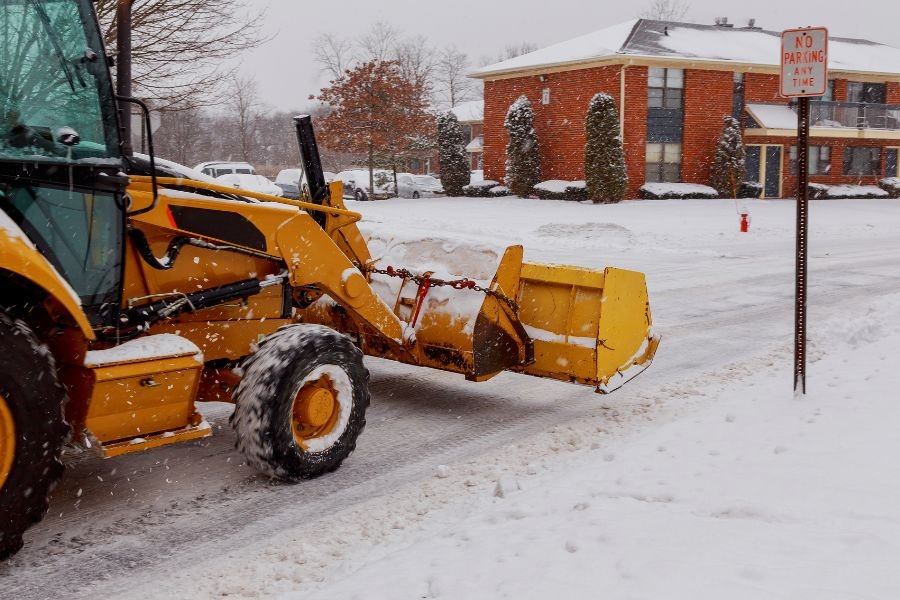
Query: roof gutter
x=683 y=62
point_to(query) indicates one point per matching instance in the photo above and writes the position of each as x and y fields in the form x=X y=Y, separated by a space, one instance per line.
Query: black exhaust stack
x=123 y=69
x=315 y=186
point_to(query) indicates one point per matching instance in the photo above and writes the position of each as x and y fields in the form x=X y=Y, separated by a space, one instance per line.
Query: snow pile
x=444 y=259
x=151 y=347
x=662 y=191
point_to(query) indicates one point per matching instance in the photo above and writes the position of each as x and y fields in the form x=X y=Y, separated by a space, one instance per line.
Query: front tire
x=301 y=403
x=32 y=431
x=361 y=196
x=415 y=195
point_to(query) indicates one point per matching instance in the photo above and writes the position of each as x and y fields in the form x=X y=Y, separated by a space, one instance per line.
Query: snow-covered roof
x=690 y=41
x=773 y=116
x=599 y=44
x=469 y=112
x=476 y=145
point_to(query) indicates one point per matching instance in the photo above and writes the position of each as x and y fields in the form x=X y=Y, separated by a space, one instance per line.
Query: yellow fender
x=19 y=256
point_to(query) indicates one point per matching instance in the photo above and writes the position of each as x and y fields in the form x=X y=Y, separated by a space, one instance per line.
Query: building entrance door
x=764 y=164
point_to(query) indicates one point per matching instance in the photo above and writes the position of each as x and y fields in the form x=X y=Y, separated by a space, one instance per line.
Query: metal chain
x=458 y=284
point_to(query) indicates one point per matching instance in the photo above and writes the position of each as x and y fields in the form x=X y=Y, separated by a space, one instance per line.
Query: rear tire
x=31 y=409
x=289 y=363
x=415 y=195
x=360 y=196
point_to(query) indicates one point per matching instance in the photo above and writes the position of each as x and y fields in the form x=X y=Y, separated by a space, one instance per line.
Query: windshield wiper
x=60 y=55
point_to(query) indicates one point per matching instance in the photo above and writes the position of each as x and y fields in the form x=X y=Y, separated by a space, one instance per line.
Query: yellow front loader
x=132 y=289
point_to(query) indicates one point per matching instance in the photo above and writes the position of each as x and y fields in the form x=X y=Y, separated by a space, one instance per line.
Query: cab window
x=53 y=80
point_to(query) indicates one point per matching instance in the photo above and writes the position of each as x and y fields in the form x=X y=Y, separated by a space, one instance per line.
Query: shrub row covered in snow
x=486 y=188
x=820 y=191
x=557 y=189
x=891 y=185
x=676 y=191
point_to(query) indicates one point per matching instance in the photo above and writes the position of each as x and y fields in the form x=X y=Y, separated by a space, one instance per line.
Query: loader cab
x=61 y=179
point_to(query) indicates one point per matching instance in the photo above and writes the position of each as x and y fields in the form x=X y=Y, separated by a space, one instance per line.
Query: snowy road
x=190 y=520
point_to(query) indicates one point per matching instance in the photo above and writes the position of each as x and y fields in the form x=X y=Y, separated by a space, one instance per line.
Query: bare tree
x=666 y=10
x=183 y=136
x=380 y=43
x=334 y=54
x=518 y=49
x=182 y=48
x=508 y=52
x=244 y=105
x=450 y=81
x=416 y=60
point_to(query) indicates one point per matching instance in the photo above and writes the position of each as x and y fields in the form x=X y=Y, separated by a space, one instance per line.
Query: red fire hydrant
x=745 y=222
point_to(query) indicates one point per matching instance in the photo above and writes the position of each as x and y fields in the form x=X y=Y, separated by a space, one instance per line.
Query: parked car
x=289 y=182
x=356 y=184
x=251 y=183
x=429 y=186
x=219 y=168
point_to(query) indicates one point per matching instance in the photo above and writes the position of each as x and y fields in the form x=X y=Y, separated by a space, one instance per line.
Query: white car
x=251 y=183
x=289 y=182
x=219 y=168
x=356 y=184
x=418 y=186
x=429 y=186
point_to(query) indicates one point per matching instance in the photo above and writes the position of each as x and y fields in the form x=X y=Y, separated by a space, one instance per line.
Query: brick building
x=673 y=84
x=471 y=119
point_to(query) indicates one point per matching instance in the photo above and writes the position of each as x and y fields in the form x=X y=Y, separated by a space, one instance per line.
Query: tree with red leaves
x=376 y=112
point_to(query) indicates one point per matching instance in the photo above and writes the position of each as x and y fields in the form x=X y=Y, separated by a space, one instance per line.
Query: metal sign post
x=804 y=73
x=802 y=234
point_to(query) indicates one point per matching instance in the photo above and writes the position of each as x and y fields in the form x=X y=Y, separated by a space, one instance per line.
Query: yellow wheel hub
x=315 y=411
x=7 y=440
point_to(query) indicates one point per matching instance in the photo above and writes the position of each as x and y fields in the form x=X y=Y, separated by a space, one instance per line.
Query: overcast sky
x=287 y=74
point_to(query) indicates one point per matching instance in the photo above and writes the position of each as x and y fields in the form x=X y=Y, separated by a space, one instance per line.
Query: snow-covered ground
x=746 y=493
x=703 y=478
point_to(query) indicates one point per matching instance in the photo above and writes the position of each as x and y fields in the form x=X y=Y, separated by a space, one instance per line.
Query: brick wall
x=635 y=138
x=893 y=93
x=707 y=101
x=761 y=87
x=840 y=90
x=560 y=124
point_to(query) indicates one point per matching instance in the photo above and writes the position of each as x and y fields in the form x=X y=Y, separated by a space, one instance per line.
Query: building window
x=737 y=100
x=467 y=132
x=870 y=93
x=860 y=160
x=819 y=160
x=891 y=162
x=663 y=163
x=545 y=96
x=665 y=88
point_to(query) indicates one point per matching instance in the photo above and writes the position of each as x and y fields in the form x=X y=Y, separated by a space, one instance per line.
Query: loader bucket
x=560 y=322
x=587 y=326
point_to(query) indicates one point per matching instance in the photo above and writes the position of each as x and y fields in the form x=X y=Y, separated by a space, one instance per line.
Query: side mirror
x=68 y=136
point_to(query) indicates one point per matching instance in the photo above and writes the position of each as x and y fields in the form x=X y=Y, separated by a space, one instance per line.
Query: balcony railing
x=856 y=115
